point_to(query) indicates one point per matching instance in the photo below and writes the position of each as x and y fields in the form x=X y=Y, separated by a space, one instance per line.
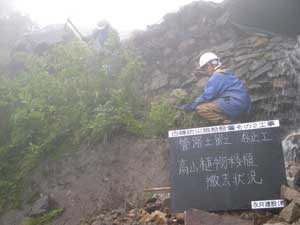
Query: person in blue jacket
x=225 y=98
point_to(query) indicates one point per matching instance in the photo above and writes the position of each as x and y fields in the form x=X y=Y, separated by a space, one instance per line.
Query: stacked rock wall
x=268 y=63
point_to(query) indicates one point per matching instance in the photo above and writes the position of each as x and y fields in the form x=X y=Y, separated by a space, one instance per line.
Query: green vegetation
x=67 y=95
x=44 y=219
x=161 y=117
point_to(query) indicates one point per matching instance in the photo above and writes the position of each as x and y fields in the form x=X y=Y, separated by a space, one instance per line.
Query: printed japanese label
x=268 y=204
x=224 y=128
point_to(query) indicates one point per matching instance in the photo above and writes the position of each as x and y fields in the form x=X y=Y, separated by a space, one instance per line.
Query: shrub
x=59 y=97
x=161 y=118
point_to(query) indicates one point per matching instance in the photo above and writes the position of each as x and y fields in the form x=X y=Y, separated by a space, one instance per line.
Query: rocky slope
x=267 y=62
x=103 y=177
x=156 y=211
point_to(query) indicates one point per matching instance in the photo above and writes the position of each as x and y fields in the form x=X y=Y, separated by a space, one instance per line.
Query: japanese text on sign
x=224 y=128
x=222 y=163
x=215 y=140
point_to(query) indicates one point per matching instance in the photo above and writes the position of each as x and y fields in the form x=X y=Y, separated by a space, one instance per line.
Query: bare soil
x=103 y=176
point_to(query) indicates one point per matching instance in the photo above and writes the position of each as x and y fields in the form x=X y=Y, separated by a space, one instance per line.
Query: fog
x=123 y=15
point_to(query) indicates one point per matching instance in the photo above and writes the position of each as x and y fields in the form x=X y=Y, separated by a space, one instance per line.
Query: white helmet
x=102 y=24
x=207 y=57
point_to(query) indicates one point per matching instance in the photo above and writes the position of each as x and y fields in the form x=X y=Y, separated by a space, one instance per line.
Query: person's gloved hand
x=188 y=108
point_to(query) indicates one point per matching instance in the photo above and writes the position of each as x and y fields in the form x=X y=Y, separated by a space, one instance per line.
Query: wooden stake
x=159 y=189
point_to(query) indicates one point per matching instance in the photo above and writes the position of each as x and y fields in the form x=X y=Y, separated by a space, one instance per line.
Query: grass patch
x=44 y=219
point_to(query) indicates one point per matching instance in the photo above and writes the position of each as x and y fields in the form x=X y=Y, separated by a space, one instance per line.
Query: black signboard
x=227 y=167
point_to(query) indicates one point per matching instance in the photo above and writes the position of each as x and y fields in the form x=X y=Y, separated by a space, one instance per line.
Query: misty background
x=123 y=15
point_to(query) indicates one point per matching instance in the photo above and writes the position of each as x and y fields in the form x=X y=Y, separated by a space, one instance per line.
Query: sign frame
x=185 y=191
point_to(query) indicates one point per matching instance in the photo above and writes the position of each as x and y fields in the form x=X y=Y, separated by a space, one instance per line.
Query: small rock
x=246 y=57
x=257 y=64
x=167 y=211
x=276 y=39
x=261 y=217
x=275 y=56
x=288 y=193
x=249 y=41
x=186 y=45
x=41 y=206
x=289 y=44
x=151 y=207
x=144 y=216
x=253 y=86
x=262 y=71
x=158 y=217
x=224 y=47
x=292 y=171
x=242 y=52
x=275 y=220
x=159 y=80
x=291 y=213
x=280 y=83
x=179 y=216
x=243 y=71
x=261 y=42
x=246 y=216
x=131 y=215
x=239 y=65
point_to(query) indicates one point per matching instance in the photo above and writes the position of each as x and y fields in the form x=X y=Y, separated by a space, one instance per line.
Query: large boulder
x=291 y=213
x=289 y=194
x=291 y=148
x=291 y=152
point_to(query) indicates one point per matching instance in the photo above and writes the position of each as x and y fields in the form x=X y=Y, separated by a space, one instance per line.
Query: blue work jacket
x=228 y=92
